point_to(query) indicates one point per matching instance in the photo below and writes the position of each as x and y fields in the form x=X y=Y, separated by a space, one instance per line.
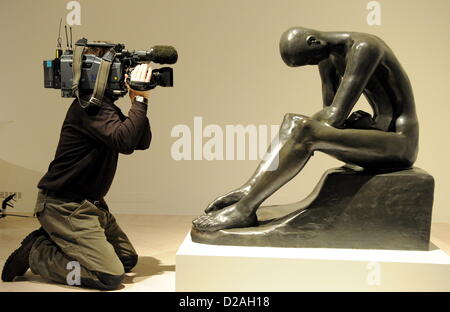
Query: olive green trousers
x=84 y=245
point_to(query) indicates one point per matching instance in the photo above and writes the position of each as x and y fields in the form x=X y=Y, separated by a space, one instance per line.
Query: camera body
x=59 y=73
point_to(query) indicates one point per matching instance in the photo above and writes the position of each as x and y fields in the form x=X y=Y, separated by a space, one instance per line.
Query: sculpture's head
x=302 y=46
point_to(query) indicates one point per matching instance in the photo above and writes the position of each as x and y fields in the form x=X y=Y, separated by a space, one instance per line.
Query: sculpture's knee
x=298 y=127
x=290 y=118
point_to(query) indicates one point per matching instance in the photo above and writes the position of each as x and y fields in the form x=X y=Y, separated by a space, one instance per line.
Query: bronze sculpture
x=350 y=64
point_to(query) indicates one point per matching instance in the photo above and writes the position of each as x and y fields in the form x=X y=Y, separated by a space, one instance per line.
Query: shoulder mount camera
x=75 y=72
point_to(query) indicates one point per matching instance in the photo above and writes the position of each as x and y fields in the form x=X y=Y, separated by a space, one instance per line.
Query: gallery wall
x=229 y=73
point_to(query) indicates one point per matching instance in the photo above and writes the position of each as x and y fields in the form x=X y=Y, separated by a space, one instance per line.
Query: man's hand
x=141 y=73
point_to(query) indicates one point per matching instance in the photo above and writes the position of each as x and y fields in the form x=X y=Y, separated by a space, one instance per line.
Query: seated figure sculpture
x=350 y=64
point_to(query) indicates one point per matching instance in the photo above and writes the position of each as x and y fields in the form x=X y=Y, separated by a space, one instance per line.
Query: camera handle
x=141 y=86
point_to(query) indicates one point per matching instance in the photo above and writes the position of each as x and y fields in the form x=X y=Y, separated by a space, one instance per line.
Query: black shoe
x=17 y=263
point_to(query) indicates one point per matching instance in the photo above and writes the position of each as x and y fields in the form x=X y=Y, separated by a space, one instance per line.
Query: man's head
x=302 y=46
x=97 y=51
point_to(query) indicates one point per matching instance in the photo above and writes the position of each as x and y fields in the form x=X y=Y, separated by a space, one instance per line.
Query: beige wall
x=229 y=72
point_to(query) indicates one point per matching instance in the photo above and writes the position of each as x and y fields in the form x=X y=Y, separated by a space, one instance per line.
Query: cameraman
x=78 y=231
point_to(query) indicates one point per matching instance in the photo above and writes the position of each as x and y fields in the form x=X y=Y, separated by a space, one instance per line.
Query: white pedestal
x=202 y=267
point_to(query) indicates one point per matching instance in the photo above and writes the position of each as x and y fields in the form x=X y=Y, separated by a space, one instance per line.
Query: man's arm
x=363 y=58
x=330 y=81
x=142 y=72
x=121 y=136
x=146 y=137
x=133 y=132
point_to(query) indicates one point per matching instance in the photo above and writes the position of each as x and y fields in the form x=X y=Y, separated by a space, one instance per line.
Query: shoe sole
x=28 y=239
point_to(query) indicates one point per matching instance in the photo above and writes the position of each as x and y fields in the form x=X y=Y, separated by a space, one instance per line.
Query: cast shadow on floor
x=145 y=268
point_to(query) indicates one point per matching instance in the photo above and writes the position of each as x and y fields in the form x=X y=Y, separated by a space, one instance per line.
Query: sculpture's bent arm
x=362 y=60
x=330 y=81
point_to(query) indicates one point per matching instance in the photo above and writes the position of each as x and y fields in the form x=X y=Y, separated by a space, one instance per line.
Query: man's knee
x=107 y=277
x=111 y=282
x=103 y=281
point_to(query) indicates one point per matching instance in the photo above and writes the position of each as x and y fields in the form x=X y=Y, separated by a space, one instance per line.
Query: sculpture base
x=209 y=268
x=348 y=209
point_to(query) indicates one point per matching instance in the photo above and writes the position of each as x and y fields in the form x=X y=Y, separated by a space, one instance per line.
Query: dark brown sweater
x=89 y=147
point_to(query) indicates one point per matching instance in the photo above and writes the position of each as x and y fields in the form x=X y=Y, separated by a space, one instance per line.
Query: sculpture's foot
x=227 y=199
x=226 y=218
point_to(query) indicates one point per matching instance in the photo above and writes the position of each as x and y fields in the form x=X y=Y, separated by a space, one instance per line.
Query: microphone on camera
x=162 y=55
